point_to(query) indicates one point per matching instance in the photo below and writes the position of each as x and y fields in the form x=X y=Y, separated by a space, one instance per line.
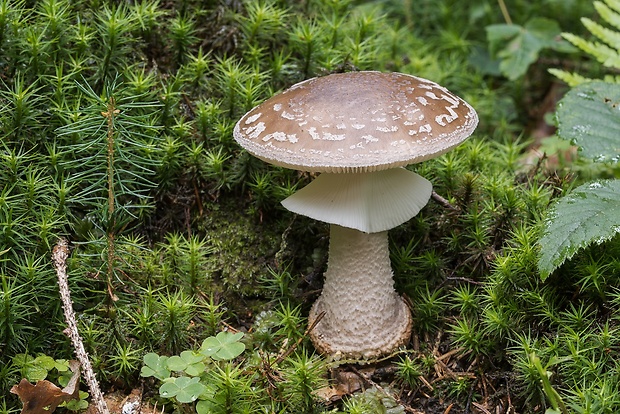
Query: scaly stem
x=364 y=317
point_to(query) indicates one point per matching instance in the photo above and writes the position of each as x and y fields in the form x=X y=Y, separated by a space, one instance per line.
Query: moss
x=244 y=247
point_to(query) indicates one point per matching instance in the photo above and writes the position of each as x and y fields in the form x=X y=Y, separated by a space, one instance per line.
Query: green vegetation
x=188 y=276
x=587 y=118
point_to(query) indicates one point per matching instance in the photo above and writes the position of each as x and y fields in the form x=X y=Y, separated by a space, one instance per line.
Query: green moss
x=244 y=248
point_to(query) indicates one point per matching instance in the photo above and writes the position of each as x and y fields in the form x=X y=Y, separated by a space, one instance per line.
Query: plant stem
x=504 y=10
x=109 y=115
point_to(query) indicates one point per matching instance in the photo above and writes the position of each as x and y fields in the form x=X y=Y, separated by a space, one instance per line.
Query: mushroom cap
x=356 y=122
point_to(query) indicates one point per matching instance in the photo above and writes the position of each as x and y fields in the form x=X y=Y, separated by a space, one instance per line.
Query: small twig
x=449 y=354
x=59 y=259
x=426 y=383
x=481 y=408
x=198 y=200
x=279 y=256
x=190 y=108
x=230 y=327
x=443 y=202
x=464 y=279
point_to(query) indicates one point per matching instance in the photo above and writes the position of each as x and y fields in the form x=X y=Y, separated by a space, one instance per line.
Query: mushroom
x=358 y=130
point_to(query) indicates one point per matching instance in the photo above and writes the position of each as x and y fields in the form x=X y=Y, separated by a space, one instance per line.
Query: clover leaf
x=184 y=389
x=155 y=366
x=189 y=362
x=224 y=346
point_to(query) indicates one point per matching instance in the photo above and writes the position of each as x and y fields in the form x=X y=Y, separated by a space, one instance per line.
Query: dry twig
x=59 y=259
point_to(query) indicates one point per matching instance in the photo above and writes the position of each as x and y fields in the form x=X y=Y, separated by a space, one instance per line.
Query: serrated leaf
x=608 y=36
x=589 y=116
x=600 y=51
x=572 y=79
x=607 y=14
x=589 y=214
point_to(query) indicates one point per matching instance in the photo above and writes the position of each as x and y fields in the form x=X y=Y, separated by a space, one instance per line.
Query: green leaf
x=155 y=366
x=589 y=116
x=176 y=363
x=34 y=373
x=184 y=389
x=519 y=46
x=80 y=404
x=590 y=214
x=45 y=362
x=195 y=369
x=189 y=362
x=61 y=365
x=22 y=359
x=34 y=369
x=548 y=33
x=205 y=407
x=224 y=346
x=607 y=14
x=499 y=34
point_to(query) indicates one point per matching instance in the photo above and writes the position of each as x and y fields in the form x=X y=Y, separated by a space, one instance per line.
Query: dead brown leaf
x=43 y=397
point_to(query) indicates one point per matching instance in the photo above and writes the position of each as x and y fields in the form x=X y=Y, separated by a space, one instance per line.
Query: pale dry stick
x=59 y=259
x=481 y=408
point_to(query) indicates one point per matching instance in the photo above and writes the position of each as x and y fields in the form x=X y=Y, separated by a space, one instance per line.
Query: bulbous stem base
x=363 y=317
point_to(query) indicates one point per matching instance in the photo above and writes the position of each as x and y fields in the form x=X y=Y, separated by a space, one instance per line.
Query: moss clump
x=244 y=248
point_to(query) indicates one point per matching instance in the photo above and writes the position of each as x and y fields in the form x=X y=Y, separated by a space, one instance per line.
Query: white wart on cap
x=356 y=122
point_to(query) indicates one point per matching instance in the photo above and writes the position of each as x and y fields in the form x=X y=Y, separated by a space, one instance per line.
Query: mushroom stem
x=364 y=316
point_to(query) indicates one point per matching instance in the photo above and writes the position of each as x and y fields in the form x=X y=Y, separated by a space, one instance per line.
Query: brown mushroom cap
x=356 y=122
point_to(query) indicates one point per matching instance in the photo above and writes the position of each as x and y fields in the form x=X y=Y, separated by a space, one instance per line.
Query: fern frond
x=571 y=79
x=614 y=4
x=600 y=51
x=607 y=14
x=610 y=37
